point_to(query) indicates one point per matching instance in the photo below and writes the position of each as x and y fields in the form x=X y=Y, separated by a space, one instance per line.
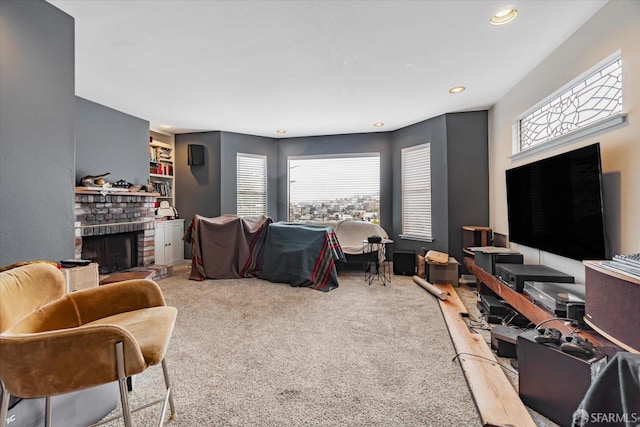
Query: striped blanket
x=301 y=255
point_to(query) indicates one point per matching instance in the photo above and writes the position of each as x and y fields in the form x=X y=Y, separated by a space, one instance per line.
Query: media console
x=525 y=306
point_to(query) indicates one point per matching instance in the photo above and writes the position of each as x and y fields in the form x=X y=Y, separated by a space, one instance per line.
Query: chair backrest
x=26 y=289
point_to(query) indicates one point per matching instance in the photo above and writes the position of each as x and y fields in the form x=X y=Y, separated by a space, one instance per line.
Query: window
x=588 y=104
x=416 y=192
x=334 y=187
x=251 y=184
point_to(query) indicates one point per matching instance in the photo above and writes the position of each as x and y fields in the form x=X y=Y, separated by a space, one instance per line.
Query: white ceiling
x=310 y=67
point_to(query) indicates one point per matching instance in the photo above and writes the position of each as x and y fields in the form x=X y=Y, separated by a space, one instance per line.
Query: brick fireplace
x=116 y=213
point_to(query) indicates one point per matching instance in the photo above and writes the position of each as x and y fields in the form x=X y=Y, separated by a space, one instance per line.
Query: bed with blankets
x=230 y=246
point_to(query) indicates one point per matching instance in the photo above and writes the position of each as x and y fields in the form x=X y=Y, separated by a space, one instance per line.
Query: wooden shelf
x=161 y=166
x=525 y=305
x=114 y=192
x=475 y=235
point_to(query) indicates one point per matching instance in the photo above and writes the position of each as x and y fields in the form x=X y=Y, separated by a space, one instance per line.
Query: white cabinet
x=169 y=247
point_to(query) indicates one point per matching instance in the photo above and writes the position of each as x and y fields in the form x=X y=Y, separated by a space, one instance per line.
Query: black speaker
x=196 y=155
x=404 y=263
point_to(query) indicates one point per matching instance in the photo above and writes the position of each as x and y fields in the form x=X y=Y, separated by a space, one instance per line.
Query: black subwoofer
x=404 y=263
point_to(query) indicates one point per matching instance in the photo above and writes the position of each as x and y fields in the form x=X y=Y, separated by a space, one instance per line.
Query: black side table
x=378 y=266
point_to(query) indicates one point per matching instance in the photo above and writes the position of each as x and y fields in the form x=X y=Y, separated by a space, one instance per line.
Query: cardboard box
x=81 y=277
x=444 y=273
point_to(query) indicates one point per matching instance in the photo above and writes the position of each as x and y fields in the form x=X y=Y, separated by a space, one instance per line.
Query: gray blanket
x=226 y=247
x=613 y=399
x=301 y=255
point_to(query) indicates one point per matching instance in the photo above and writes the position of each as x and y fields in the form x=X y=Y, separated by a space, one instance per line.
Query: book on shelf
x=159 y=154
x=164 y=188
x=161 y=169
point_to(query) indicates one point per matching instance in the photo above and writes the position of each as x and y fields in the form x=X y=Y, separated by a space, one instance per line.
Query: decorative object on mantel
x=106 y=189
x=121 y=184
x=94 y=180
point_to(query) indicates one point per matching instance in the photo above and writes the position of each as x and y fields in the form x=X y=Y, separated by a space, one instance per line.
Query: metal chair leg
x=122 y=382
x=47 y=411
x=4 y=405
x=167 y=384
x=124 y=400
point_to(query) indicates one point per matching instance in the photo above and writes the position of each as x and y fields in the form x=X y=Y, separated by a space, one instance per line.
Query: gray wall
x=459 y=173
x=197 y=188
x=37 y=132
x=434 y=132
x=459 y=178
x=468 y=174
x=110 y=141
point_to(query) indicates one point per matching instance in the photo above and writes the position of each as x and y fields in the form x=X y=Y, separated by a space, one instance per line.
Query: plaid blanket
x=301 y=255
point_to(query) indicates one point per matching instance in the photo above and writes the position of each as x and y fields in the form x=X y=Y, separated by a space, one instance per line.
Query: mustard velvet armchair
x=53 y=343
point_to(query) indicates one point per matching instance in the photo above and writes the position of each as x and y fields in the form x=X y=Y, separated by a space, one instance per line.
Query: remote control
x=548 y=336
x=578 y=346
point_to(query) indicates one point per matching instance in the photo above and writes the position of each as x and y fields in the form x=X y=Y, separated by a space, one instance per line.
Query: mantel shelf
x=112 y=192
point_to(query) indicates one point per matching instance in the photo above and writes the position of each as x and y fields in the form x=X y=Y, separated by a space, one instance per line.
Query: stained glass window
x=587 y=101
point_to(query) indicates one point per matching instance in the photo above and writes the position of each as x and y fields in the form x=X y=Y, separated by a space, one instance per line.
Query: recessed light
x=166 y=126
x=378 y=124
x=503 y=17
x=457 y=89
x=281 y=131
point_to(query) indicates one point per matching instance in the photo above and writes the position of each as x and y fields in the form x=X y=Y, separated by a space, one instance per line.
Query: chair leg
x=4 y=405
x=47 y=411
x=167 y=384
x=122 y=382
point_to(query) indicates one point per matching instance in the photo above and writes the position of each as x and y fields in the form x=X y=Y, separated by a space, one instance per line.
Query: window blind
x=251 y=184
x=416 y=192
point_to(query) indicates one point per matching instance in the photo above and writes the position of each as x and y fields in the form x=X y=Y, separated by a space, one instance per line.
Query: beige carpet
x=255 y=353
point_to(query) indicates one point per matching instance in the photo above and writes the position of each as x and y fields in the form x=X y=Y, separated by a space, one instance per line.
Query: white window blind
x=251 y=184
x=416 y=192
x=334 y=187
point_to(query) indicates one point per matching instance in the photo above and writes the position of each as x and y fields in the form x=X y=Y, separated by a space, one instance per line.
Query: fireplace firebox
x=112 y=252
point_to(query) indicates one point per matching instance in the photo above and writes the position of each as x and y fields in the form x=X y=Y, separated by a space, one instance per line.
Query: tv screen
x=555 y=204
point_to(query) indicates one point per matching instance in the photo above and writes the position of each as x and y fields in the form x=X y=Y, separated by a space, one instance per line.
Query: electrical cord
x=574 y=323
x=485 y=358
x=477 y=324
x=474 y=355
x=507 y=320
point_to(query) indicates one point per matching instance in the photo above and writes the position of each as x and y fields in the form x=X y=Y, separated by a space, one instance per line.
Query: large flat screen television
x=555 y=204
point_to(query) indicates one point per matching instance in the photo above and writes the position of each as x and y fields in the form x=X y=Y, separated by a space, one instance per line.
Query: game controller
x=548 y=336
x=578 y=346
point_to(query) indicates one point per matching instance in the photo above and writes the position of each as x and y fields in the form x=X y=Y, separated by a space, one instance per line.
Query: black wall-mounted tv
x=555 y=204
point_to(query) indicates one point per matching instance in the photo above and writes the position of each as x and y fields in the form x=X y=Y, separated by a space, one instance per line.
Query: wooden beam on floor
x=497 y=401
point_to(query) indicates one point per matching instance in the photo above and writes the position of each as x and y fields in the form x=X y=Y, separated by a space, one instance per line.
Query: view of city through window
x=330 y=188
